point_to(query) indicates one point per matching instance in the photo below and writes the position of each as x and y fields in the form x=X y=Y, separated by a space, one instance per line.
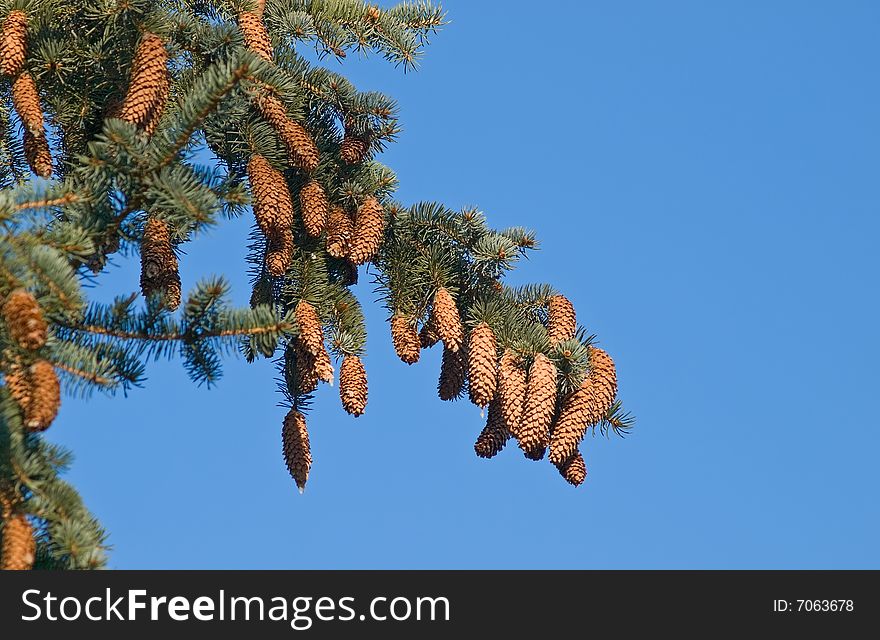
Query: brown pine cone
x=301 y=148
x=310 y=332
x=354 y=148
x=512 y=392
x=37 y=154
x=482 y=365
x=562 y=321
x=26 y=100
x=314 y=206
x=279 y=252
x=353 y=385
x=13 y=43
x=428 y=335
x=19 y=547
x=447 y=320
x=256 y=38
x=452 y=374
x=574 y=470
x=159 y=270
x=369 y=226
x=148 y=87
x=539 y=408
x=339 y=230
x=295 y=445
x=44 y=396
x=494 y=435
x=273 y=208
x=24 y=320
x=305 y=377
x=19 y=385
x=405 y=339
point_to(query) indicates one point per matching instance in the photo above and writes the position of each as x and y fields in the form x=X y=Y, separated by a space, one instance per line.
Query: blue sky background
x=704 y=180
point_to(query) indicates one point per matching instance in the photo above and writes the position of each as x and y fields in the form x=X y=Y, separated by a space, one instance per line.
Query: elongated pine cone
x=512 y=392
x=494 y=435
x=574 y=470
x=353 y=385
x=19 y=386
x=256 y=37
x=295 y=444
x=353 y=149
x=447 y=320
x=26 y=100
x=314 y=206
x=324 y=366
x=452 y=374
x=159 y=272
x=585 y=407
x=13 y=42
x=405 y=339
x=562 y=321
x=273 y=207
x=279 y=251
x=339 y=230
x=301 y=149
x=482 y=364
x=37 y=154
x=540 y=405
x=44 y=396
x=305 y=374
x=310 y=333
x=369 y=225
x=19 y=546
x=24 y=320
x=428 y=335
x=148 y=84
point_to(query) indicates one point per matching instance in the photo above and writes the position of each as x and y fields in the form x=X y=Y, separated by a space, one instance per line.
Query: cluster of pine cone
x=25 y=97
x=35 y=386
x=36 y=389
x=520 y=391
x=353 y=236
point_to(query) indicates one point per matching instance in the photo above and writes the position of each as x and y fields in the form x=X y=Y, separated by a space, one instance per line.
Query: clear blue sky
x=704 y=180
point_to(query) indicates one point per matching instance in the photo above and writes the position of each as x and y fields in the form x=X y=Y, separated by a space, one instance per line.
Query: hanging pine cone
x=353 y=385
x=512 y=392
x=369 y=225
x=19 y=548
x=562 y=321
x=304 y=377
x=154 y=116
x=452 y=374
x=405 y=339
x=26 y=100
x=339 y=230
x=37 y=154
x=301 y=148
x=482 y=363
x=279 y=251
x=354 y=148
x=148 y=84
x=256 y=38
x=428 y=335
x=19 y=386
x=310 y=333
x=24 y=320
x=273 y=208
x=159 y=273
x=13 y=43
x=447 y=320
x=574 y=470
x=585 y=407
x=539 y=407
x=324 y=366
x=313 y=203
x=295 y=444
x=44 y=396
x=494 y=435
